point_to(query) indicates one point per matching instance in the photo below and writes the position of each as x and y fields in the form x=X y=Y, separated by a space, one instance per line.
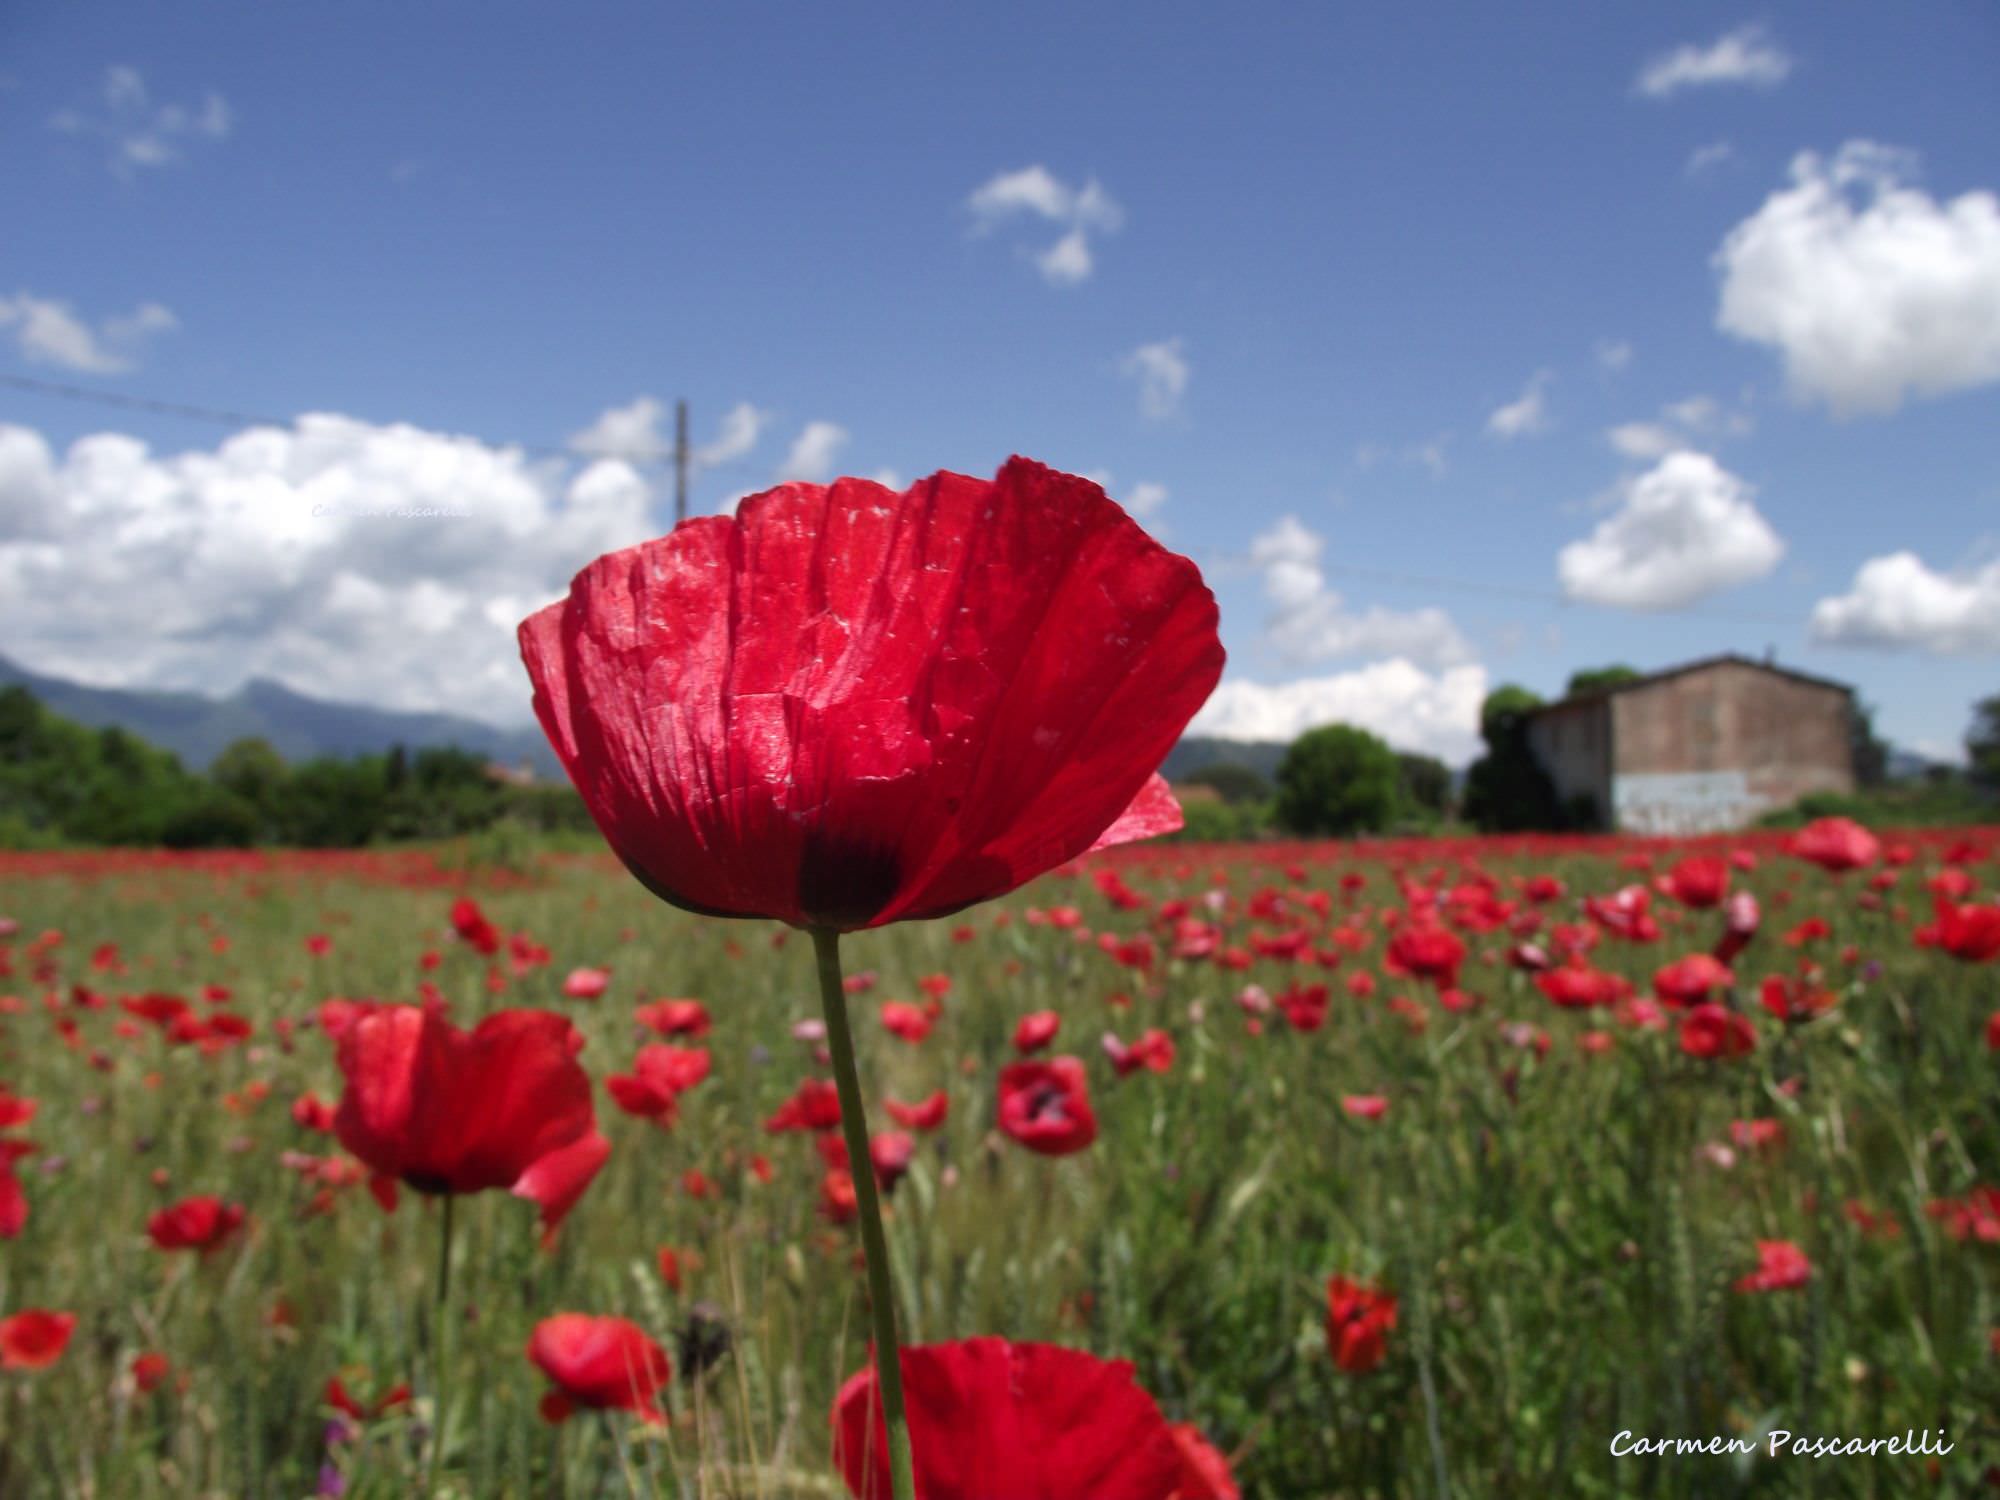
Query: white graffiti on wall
x=1697 y=802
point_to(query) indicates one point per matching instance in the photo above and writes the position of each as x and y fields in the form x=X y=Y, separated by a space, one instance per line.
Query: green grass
x=1563 y=1250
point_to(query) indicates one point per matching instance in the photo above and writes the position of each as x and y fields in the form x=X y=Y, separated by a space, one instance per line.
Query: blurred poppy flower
x=1688 y=981
x=1835 y=844
x=890 y=1153
x=1365 y=1106
x=1052 y=1421
x=814 y=1105
x=660 y=1075
x=451 y=1111
x=1046 y=1106
x=337 y=1396
x=203 y=1223
x=34 y=1338
x=148 y=1370
x=1795 y=999
x=1154 y=1050
x=1204 y=1471
x=605 y=1364
x=1699 y=881
x=926 y=1114
x=1715 y=1031
x=14 y=1110
x=1427 y=952
x=472 y=927
x=1969 y=933
x=687 y=1018
x=902 y=1019
x=1781 y=1265
x=586 y=984
x=1359 y=1320
x=843 y=706
x=13 y=1197
x=1036 y=1030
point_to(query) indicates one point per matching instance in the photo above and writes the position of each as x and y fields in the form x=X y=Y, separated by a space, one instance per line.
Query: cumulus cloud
x=1746 y=55
x=1684 y=529
x=737 y=435
x=140 y=132
x=633 y=431
x=1435 y=713
x=1527 y=414
x=50 y=332
x=1310 y=622
x=1036 y=192
x=1714 y=154
x=1870 y=290
x=1898 y=603
x=1643 y=439
x=811 y=456
x=1162 y=372
x=381 y=564
x=1681 y=424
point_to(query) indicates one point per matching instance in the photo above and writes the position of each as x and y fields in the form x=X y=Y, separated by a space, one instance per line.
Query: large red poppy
x=1046 y=1106
x=600 y=1363
x=449 y=1111
x=843 y=706
x=1028 y=1421
x=1836 y=844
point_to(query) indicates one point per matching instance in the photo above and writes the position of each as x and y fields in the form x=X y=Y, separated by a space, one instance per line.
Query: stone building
x=1697 y=748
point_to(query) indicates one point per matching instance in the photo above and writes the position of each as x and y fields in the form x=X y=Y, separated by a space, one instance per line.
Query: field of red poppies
x=1390 y=1169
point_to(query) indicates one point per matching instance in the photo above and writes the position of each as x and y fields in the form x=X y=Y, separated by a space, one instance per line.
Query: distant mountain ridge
x=198 y=728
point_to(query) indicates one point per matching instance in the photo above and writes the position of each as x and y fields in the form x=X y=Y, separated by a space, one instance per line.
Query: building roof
x=1726 y=659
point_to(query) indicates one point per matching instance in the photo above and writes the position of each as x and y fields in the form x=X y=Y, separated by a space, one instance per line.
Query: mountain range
x=198 y=728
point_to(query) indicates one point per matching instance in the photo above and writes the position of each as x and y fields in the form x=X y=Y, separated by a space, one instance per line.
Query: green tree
x=1870 y=753
x=1506 y=790
x=1982 y=743
x=1597 y=679
x=1425 y=782
x=1337 y=780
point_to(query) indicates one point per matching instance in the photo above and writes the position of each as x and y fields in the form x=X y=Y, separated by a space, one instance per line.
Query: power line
x=155 y=406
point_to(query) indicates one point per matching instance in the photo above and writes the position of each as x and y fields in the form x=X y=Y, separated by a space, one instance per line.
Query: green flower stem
x=854 y=1123
x=440 y=1352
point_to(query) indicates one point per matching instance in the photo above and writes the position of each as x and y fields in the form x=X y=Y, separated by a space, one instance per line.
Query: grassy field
x=1563 y=1201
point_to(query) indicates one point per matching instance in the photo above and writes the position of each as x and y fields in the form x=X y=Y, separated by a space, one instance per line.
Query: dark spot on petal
x=843 y=882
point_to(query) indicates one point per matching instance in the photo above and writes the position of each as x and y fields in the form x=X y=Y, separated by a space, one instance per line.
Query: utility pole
x=680 y=462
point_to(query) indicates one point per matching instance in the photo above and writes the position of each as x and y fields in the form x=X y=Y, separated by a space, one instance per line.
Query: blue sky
x=1459 y=344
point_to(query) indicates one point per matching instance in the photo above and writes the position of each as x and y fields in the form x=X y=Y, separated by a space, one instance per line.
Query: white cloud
x=1898 y=603
x=140 y=133
x=292 y=553
x=1643 y=439
x=1038 y=193
x=1435 y=713
x=1144 y=498
x=1683 y=530
x=1714 y=154
x=1746 y=55
x=631 y=431
x=1527 y=414
x=812 y=453
x=1162 y=371
x=741 y=426
x=1868 y=301
x=48 y=332
x=1614 y=354
x=1309 y=621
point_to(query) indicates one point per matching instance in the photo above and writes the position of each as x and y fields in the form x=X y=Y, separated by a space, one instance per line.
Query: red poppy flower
x=34 y=1339
x=1741 y=918
x=815 y=1105
x=927 y=1114
x=202 y=1223
x=902 y=1019
x=1835 y=844
x=1576 y=986
x=13 y=1197
x=890 y=1152
x=1154 y=1050
x=1699 y=881
x=15 y=1110
x=1036 y=1030
x=1970 y=933
x=1204 y=1471
x=1359 y=1320
x=1795 y=999
x=1715 y=1031
x=1046 y=1106
x=451 y=1111
x=843 y=707
x=1427 y=952
x=674 y=1017
x=1688 y=981
x=472 y=927
x=586 y=984
x=1781 y=1265
x=988 y=1417
x=341 y=1400
x=659 y=1076
x=1365 y=1106
x=600 y=1363
x=148 y=1370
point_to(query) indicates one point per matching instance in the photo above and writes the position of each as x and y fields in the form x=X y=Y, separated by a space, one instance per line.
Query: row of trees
x=65 y=783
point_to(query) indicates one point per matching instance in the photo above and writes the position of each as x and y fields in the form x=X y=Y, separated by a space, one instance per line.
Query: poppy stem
x=854 y=1124
x=440 y=1332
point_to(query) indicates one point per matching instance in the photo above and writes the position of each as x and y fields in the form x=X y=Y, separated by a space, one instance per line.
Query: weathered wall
x=1573 y=743
x=1715 y=748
